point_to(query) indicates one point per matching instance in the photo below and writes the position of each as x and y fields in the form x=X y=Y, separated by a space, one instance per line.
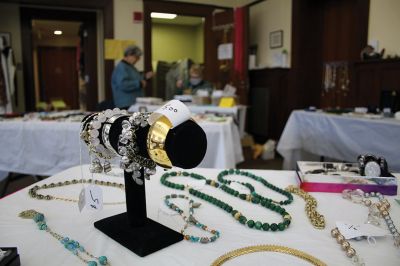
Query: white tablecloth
x=308 y=135
x=238 y=112
x=48 y=147
x=39 y=248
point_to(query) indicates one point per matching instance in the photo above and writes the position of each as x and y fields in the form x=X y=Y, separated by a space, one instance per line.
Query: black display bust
x=186 y=146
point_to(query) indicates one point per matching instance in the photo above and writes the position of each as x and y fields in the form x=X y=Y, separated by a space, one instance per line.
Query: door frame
x=183 y=9
x=62 y=11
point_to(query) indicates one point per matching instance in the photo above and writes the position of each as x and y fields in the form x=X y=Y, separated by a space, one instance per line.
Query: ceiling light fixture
x=57 y=32
x=163 y=15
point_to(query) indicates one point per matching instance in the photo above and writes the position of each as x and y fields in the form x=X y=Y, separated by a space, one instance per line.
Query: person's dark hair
x=133 y=50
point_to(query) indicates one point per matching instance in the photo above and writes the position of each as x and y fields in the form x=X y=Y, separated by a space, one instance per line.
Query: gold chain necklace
x=316 y=219
x=271 y=248
x=33 y=192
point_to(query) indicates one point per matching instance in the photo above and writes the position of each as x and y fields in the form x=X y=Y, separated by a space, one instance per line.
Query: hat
x=132 y=50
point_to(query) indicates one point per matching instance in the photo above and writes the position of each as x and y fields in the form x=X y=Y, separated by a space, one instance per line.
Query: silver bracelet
x=131 y=161
x=96 y=144
x=106 y=131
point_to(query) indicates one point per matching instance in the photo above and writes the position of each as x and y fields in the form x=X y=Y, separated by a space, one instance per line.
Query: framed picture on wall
x=276 y=39
x=6 y=38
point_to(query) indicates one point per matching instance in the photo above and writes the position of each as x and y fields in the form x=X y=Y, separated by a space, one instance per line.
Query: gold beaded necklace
x=33 y=192
x=270 y=248
x=316 y=219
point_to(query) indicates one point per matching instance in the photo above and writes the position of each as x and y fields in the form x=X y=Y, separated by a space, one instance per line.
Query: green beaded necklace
x=268 y=204
x=253 y=196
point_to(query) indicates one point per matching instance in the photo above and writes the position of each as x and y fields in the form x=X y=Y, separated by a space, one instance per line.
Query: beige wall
x=384 y=22
x=9 y=22
x=265 y=17
x=199 y=44
x=124 y=28
x=176 y=42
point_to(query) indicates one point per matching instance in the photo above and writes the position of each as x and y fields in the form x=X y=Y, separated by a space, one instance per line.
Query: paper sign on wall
x=225 y=51
x=114 y=49
x=176 y=112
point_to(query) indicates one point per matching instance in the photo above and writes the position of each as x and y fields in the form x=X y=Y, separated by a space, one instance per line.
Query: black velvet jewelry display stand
x=186 y=146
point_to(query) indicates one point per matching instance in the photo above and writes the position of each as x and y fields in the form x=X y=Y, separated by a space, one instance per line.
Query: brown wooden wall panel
x=277 y=107
x=372 y=77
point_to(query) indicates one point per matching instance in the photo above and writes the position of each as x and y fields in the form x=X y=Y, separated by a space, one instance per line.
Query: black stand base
x=141 y=240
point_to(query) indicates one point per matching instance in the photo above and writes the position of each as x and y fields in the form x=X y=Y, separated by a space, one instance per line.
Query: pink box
x=341 y=177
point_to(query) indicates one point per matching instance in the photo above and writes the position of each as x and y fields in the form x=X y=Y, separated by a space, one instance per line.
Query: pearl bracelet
x=350 y=252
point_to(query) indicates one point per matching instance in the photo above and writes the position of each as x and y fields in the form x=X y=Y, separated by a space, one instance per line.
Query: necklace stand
x=133 y=229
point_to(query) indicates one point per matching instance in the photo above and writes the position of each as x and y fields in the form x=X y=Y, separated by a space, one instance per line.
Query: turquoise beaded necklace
x=70 y=244
x=253 y=196
x=191 y=220
x=268 y=204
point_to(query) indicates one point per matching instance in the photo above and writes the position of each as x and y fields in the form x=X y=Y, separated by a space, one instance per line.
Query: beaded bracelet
x=350 y=252
x=131 y=161
x=93 y=139
x=70 y=244
x=376 y=210
x=191 y=219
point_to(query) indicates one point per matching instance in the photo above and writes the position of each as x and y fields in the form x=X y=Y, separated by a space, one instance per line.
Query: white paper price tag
x=82 y=200
x=240 y=188
x=349 y=230
x=176 y=112
x=91 y=197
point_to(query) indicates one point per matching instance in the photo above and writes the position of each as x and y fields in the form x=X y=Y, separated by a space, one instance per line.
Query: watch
x=373 y=166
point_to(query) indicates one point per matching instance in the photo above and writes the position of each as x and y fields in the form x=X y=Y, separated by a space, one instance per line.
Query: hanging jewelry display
x=336 y=77
x=258 y=225
x=191 y=220
x=316 y=219
x=128 y=149
x=73 y=246
x=350 y=252
x=33 y=192
x=267 y=248
x=377 y=210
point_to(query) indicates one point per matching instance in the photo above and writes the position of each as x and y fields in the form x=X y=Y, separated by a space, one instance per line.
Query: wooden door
x=58 y=75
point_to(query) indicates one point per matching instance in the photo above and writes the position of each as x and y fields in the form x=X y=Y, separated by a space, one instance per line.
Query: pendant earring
x=96 y=167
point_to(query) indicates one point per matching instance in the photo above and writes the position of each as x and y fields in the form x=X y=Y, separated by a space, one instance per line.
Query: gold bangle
x=316 y=219
x=156 y=142
x=273 y=248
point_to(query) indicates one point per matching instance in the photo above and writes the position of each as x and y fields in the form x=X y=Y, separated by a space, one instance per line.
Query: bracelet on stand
x=128 y=149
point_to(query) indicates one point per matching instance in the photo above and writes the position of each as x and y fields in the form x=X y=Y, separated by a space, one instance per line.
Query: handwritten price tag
x=349 y=230
x=91 y=197
x=176 y=112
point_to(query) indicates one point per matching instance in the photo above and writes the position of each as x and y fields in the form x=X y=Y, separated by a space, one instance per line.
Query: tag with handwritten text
x=91 y=197
x=176 y=112
x=349 y=230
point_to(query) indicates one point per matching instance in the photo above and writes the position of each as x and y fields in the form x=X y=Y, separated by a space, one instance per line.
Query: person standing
x=126 y=81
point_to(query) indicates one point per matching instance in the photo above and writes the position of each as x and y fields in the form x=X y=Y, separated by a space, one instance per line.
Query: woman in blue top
x=126 y=81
